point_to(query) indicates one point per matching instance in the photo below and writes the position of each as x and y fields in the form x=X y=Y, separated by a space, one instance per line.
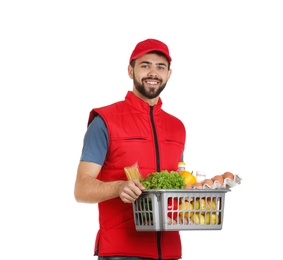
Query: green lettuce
x=163 y=180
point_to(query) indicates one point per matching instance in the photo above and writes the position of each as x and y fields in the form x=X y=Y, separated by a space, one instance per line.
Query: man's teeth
x=153 y=83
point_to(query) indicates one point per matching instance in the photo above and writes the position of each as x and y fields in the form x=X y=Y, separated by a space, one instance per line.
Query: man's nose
x=153 y=73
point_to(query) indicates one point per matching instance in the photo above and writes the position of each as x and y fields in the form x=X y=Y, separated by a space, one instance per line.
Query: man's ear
x=131 y=71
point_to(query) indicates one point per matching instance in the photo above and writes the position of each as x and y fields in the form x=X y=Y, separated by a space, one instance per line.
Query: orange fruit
x=188 y=177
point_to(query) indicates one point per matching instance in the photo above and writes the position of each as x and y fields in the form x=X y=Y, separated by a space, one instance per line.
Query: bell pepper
x=172 y=205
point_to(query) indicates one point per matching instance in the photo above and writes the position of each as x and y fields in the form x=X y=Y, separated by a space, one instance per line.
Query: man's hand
x=130 y=190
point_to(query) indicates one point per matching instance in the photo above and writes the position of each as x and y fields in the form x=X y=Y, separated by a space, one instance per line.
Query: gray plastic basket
x=165 y=210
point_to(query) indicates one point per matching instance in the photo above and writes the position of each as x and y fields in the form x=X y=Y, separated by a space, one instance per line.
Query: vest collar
x=141 y=105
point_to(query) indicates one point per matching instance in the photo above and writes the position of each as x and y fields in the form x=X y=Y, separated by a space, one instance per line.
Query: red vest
x=154 y=139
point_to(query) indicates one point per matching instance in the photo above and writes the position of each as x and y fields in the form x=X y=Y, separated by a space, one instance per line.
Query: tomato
x=172 y=205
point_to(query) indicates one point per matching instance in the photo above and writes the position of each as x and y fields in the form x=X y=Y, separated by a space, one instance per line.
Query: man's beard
x=152 y=92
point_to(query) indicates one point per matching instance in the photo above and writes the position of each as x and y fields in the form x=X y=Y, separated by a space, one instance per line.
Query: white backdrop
x=59 y=59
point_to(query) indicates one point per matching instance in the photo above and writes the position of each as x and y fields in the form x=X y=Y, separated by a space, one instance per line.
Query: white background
x=59 y=59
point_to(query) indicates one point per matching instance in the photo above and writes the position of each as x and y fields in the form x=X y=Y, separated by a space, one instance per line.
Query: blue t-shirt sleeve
x=95 y=145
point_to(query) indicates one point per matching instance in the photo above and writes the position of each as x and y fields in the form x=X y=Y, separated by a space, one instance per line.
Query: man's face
x=150 y=75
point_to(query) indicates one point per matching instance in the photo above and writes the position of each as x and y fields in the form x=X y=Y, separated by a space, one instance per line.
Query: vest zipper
x=157 y=169
x=155 y=139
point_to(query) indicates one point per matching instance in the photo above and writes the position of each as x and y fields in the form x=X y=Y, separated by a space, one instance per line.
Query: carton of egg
x=224 y=181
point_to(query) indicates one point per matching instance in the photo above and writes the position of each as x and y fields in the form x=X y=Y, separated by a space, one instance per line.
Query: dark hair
x=133 y=62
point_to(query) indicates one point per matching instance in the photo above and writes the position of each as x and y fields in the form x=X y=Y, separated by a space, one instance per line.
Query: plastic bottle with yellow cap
x=181 y=166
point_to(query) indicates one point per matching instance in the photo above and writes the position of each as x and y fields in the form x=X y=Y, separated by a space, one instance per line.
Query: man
x=133 y=131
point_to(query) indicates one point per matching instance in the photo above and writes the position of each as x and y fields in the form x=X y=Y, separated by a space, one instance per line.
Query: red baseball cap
x=149 y=45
